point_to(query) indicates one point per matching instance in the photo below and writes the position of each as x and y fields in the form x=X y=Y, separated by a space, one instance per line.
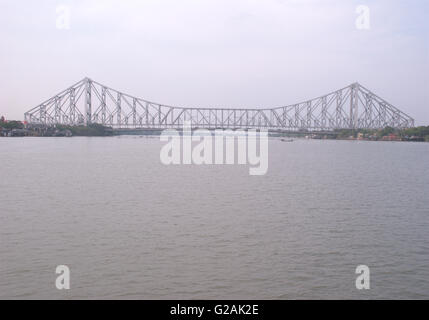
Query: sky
x=215 y=53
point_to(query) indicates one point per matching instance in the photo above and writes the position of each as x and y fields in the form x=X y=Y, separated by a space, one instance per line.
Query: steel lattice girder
x=352 y=107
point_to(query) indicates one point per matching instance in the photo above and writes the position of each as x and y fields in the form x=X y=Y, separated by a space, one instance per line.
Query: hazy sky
x=222 y=53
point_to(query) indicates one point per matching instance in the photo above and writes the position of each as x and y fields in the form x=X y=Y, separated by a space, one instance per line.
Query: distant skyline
x=216 y=53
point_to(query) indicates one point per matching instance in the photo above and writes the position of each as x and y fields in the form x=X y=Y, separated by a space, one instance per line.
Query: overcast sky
x=226 y=53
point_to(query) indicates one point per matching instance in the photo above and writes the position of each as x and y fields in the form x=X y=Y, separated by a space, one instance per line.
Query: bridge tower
x=88 y=86
x=354 y=104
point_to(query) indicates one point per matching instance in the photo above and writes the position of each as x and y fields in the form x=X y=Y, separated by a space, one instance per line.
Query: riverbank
x=417 y=134
x=93 y=130
x=21 y=129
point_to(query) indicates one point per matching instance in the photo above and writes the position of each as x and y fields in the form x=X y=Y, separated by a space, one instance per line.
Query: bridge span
x=87 y=101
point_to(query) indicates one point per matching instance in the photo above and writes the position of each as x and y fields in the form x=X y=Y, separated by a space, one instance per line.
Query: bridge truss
x=86 y=102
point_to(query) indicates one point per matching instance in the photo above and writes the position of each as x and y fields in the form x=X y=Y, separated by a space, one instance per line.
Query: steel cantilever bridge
x=86 y=102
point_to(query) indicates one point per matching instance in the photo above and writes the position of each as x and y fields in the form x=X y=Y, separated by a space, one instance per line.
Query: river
x=130 y=227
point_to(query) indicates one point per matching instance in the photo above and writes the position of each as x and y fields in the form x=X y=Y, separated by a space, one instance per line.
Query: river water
x=129 y=227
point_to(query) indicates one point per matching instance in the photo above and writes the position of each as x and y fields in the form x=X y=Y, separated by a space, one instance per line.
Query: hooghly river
x=130 y=227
